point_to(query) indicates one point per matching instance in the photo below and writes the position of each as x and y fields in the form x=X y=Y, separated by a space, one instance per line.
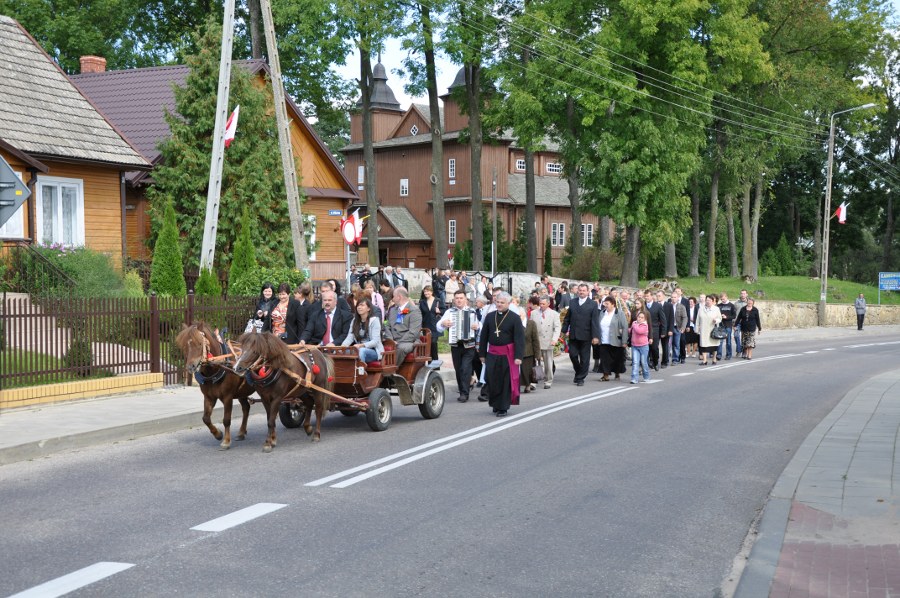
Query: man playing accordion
x=462 y=325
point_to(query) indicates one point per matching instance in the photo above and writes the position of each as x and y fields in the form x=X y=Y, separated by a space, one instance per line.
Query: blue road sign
x=335 y=212
x=889 y=281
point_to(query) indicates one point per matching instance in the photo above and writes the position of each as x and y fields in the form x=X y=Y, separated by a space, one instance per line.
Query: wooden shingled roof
x=43 y=115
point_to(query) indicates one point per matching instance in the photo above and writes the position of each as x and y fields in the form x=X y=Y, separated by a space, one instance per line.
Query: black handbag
x=719 y=331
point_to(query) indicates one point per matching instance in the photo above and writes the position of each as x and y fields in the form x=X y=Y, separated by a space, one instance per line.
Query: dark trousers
x=653 y=356
x=664 y=342
x=859 y=321
x=580 y=354
x=463 y=359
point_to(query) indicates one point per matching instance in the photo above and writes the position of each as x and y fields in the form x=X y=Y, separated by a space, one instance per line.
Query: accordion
x=461 y=329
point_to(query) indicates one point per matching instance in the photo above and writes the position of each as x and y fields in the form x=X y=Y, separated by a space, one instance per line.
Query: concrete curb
x=759 y=573
x=163 y=425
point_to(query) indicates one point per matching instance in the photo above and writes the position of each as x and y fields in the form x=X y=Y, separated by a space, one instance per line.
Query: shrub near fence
x=45 y=340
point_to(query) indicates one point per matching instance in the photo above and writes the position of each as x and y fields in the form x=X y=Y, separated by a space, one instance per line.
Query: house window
x=414 y=130
x=59 y=207
x=360 y=176
x=557 y=234
x=554 y=167
x=451 y=168
x=404 y=187
x=451 y=232
x=15 y=226
x=587 y=235
x=520 y=164
x=309 y=231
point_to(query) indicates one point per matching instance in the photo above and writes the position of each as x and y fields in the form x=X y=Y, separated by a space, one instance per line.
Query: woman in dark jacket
x=430 y=306
x=748 y=320
x=284 y=317
x=265 y=302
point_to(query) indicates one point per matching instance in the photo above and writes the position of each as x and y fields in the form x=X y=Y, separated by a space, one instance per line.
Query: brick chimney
x=93 y=64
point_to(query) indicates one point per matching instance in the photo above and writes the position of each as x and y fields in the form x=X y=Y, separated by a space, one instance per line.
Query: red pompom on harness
x=263 y=372
x=209 y=355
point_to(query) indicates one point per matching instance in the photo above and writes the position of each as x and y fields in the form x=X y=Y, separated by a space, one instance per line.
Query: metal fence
x=44 y=340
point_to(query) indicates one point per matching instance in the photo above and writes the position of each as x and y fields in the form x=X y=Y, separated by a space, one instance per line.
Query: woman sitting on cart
x=365 y=332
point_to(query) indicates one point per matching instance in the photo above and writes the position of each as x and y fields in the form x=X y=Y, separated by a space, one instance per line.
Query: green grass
x=787 y=288
x=23 y=362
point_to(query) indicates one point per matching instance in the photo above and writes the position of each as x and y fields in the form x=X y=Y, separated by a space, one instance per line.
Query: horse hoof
x=309 y=432
x=224 y=447
x=316 y=438
x=267 y=449
x=218 y=435
x=239 y=437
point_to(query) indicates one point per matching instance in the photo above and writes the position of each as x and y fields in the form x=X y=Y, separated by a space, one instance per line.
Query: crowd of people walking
x=504 y=346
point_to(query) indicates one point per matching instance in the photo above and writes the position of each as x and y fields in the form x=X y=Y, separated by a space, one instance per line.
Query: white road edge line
x=238 y=517
x=526 y=417
x=685 y=374
x=809 y=352
x=375 y=463
x=73 y=581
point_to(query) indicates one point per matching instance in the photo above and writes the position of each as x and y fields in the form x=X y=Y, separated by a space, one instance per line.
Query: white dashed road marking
x=238 y=517
x=73 y=581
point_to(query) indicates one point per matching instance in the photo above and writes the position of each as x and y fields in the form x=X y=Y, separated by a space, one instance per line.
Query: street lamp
x=826 y=217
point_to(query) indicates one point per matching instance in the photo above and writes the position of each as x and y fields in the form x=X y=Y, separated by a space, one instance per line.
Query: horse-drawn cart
x=366 y=388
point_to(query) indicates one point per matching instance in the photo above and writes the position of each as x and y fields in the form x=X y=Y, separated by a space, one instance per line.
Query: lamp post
x=826 y=217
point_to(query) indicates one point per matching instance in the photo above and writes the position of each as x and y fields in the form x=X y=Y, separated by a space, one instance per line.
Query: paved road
x=604 y=490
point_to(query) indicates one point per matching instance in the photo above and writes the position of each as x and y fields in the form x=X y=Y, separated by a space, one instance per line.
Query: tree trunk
x=530 y=215
x=754 y=229
x=671 y=262
x=575 y=233
x=713 y=221
x=631 y=258
x=890 y=225
x=732 y=242
x=365 y=88
x=746 y=244
x=604 y=233
x=473 y=93
x=255 y=39
x=694 y=266
x=437 y=144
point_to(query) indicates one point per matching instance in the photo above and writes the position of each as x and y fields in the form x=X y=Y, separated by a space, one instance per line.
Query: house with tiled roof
x=136 y=100
x=402 y=144
x=71 y=157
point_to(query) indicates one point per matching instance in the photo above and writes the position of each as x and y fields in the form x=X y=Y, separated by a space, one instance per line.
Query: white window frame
x=554 y=168
x=587 y=235
x=404 y=187
x=361 y=177
x=309 y=231
x=520 y=164
x=58 y=183
x=557 y=234
x=451 y=232
x=414 y=130
x=14 y=228
x=451 y=168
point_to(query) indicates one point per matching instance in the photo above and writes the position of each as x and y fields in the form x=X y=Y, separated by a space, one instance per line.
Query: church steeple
x=382 y=95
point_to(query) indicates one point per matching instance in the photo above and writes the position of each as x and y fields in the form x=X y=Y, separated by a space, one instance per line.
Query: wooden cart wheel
x=378 y=415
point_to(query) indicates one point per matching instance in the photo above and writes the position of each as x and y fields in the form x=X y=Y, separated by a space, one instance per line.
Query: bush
x=595 y=264
x=92 y=271
x=79 y=358
x=250 y=284
x=167 y=271
x=208 y=284
x=244 y=258
x=133 y=285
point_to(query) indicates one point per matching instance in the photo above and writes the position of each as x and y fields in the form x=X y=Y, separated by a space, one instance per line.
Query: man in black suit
x=582 y=326
x=657 y=327
x=668 y=309
x=329 y=325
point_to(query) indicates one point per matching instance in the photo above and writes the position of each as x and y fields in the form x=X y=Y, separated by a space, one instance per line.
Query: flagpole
x=826 y=228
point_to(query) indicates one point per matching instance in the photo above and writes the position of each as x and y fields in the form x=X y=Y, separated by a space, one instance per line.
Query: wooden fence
x=63 y=339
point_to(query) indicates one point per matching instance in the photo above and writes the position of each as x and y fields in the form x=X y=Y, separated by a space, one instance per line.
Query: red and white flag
x=231 y=126
x=841 y=213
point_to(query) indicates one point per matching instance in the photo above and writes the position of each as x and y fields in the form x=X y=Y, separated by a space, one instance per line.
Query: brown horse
x=265 y=359
x=198 y=343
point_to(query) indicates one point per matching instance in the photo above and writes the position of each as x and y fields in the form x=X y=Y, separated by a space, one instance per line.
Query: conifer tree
x=251 y=175
x=167 y=270
x=244 y=259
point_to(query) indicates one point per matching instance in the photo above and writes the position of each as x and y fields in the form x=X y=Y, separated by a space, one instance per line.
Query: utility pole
x=208 y=247
x=301 y=259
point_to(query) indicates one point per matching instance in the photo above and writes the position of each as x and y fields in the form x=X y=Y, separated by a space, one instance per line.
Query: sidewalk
x=831 y=526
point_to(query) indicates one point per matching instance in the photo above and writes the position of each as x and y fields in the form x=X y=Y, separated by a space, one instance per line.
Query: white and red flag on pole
x=841 y=213
x=231 y=126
